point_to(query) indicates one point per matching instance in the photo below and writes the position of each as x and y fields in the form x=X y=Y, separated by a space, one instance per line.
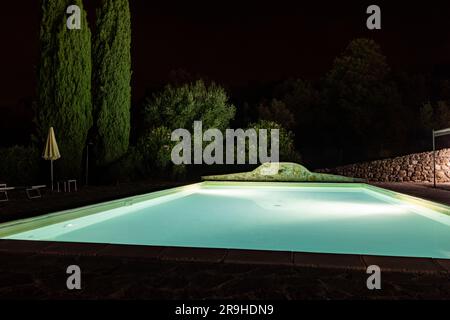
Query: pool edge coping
x=436 y=206
x=330 y=261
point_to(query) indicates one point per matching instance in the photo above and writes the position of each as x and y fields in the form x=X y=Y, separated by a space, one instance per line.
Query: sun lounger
x=33 y=192
x=4 y=192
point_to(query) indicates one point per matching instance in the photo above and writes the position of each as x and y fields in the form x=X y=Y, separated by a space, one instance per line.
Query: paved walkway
x=44 y=277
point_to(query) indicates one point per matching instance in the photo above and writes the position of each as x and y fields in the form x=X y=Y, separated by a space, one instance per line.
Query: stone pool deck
x=37 y=270
x=440 y=194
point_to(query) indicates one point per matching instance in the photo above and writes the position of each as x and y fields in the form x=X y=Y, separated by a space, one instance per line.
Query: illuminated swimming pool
x=324 y=218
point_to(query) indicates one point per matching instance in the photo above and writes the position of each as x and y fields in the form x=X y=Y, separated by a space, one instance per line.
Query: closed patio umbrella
x=51 y=151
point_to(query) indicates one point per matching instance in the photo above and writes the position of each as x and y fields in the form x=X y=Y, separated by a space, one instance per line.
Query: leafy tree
x=276 y=111
x=64 y=83
x=426 y=116
x=359 y=96
x=298 y=95
x=286 y=140
x=435 y=116
x=111 y=80
x=155 y=147
x=303 y=100
x=444 y=88
x=20 y=165
x=179 y=107
x=442 y=115
x=354 y=81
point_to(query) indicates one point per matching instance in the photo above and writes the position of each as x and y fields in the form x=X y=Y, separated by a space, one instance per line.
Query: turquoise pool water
x=331 y=219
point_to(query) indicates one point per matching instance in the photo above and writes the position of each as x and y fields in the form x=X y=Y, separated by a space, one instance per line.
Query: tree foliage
x=435 y=116
x=20 y=165
x=287 y=148
x=362 y=104
x=355 y=82
x=111 y=80
x=179 y=107
x=64 y=84
x=155 y=147
x=276 y=110
x=304 y=101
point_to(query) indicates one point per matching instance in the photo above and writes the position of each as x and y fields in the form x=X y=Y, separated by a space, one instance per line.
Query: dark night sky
x=239 y=45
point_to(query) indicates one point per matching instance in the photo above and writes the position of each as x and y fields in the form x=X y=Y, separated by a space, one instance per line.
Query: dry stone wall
x=416 y=167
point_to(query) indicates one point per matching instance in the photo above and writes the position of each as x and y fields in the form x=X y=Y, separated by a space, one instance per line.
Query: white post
x=437 y=133
x=434 y=161
x=51 y=172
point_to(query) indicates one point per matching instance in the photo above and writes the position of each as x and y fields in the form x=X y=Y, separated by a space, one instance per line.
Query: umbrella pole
x=51 y=172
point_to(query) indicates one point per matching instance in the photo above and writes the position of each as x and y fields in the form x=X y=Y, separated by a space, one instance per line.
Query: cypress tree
x=64 y=84
x=111 y=80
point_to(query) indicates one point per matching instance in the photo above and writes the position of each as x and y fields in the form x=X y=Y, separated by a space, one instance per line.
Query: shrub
x=127 y=168
x=155 y=147
x=19 y=165
x=286 y=143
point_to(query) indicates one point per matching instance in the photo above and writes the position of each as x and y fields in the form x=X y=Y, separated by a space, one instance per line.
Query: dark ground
x=43 y=276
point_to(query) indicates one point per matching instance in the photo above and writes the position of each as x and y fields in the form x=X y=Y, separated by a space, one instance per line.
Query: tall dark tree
x=363 y=104
x=111 y=80
x=354 y=80
x=276 y=111
x=64 y=88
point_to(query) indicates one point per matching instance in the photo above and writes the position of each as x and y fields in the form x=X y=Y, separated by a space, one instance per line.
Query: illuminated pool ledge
x=161 y=254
